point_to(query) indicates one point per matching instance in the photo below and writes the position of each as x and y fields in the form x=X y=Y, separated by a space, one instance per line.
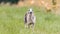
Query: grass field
x=12 y=21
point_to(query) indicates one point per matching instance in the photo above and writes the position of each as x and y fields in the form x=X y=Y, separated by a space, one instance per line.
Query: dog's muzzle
x=30 y=12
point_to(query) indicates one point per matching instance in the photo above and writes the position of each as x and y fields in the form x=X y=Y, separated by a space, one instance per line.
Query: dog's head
x=30 y=11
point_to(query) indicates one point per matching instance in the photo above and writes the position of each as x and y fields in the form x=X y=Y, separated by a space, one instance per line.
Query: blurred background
x=47 y=14
x=35 y=2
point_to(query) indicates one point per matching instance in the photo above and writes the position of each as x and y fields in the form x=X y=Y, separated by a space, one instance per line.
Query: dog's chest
x=29 y=18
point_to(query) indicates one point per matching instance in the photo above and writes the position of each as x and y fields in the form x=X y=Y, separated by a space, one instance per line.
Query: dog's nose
x=30 y=12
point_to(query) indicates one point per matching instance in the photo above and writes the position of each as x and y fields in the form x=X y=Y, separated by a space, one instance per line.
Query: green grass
x=12 y=21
